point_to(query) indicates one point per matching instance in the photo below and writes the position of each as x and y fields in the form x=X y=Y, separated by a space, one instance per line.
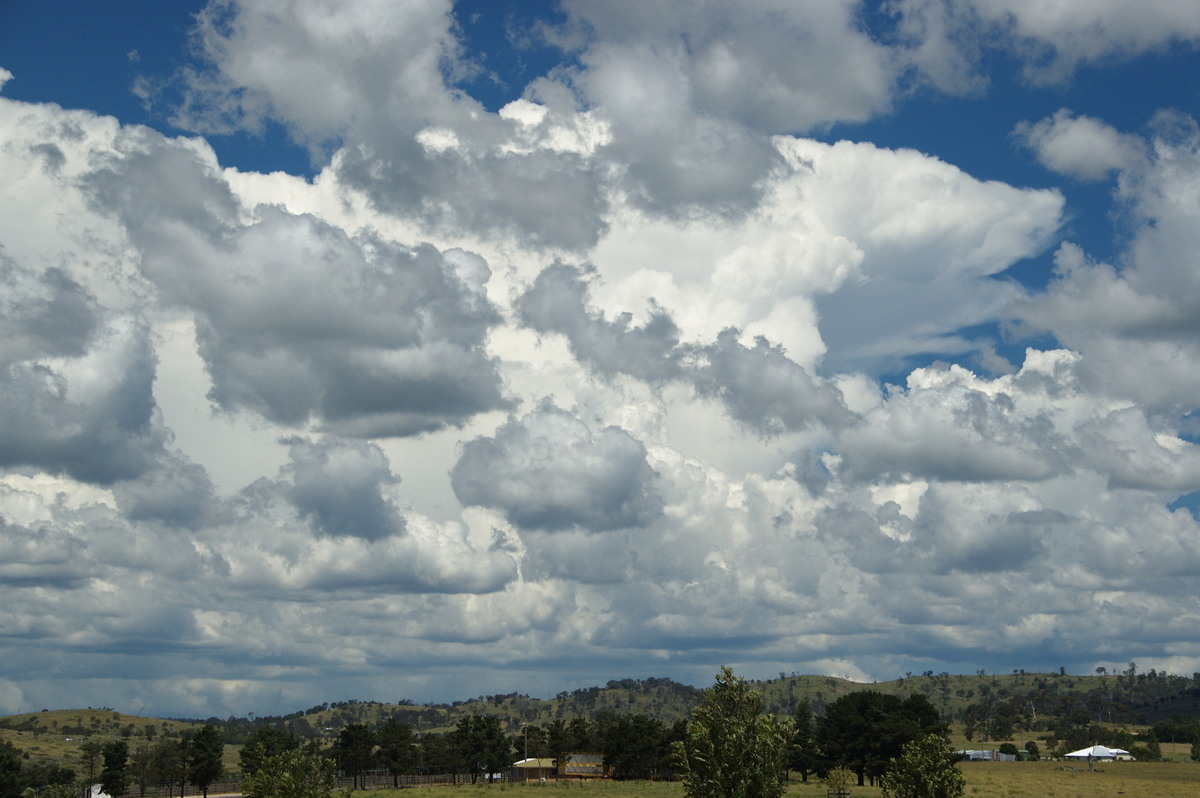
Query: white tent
x=1099 y=752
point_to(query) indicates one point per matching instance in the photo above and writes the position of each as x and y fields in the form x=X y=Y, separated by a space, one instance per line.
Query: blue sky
x=437 y=349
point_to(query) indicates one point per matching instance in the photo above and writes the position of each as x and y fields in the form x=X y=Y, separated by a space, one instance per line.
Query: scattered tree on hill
x=733 y=749
x=204 y=750
x=925 y=769
x=114 y=778
x=291 y=774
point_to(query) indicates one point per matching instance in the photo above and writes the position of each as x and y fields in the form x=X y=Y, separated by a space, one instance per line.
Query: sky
x=426 y=350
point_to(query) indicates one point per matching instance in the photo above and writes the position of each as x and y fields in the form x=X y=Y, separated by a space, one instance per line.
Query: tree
x=482 y=745
x=141 y=768
x=171 y=758
x=89 y=760
x=354 y=750
x=291 y=774
x=264 y=743
x=397 y=748
x=635 y=746
x=925 y=769
x=733 y=749
x=10 y=770
x=204 y=761
x=865 y=730
x=114 y=778
x=803 y=756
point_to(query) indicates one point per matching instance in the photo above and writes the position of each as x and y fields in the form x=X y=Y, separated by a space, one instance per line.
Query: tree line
x=192 y=758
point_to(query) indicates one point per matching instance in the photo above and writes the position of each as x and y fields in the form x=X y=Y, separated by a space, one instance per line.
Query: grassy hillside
x=1129 y=699
x=55 y=735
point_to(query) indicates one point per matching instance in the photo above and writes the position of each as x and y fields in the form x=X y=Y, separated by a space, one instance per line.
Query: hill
x=985 y=704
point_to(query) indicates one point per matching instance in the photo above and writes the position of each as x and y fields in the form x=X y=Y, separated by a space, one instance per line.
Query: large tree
x=636 y=746
x=90 y=756
x=354 y=750
x=482 y=744
x=803 y=756
x=141 y=767
x=172 y=758
x=205 y=752
x=865 y=730
x=733 y=749
x=397 y=748
x=263 y=743
x=114 y=778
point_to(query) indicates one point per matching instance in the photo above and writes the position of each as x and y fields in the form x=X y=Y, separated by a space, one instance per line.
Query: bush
x=925 y=769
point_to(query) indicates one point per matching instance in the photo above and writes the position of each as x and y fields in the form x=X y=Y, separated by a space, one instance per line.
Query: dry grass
x=984 y=780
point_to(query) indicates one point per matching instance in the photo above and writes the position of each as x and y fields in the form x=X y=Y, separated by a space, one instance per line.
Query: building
x=582 y=766
x=533 y=770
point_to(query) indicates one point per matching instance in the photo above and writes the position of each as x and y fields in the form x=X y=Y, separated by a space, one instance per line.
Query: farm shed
x=533 y=770
x=582 y=766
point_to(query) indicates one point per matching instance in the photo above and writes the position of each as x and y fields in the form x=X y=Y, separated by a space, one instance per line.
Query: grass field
x=984 y=780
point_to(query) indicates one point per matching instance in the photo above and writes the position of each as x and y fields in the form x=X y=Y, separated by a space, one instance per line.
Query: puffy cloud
x=296 y=319
x=91 y=416
x=1139 y=320
x=397 y=129
x=1053 y=39
x=1080 y=146
x=548 y=471
x=340 y=487
x=689 y=89
x=43 y=315
x=759 y=385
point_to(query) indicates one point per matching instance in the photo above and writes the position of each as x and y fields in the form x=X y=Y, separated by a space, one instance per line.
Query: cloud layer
x=629 y=376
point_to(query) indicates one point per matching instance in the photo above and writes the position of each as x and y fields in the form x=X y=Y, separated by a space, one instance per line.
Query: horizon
x=387 y=348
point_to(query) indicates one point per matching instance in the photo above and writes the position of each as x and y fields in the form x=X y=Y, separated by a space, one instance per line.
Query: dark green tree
x=925 y=769
x=141 y=768
x=172 y=758
x=114 y=778
x=10 y=770
x=482 y=745
x=354 y=750
x=263 y=743
x=864 y=731
x=291 y=774
x=636 y=746
x=90 y=758
x=206 y=748
x=733 y=749
x=803 y=756
x=397 y=749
